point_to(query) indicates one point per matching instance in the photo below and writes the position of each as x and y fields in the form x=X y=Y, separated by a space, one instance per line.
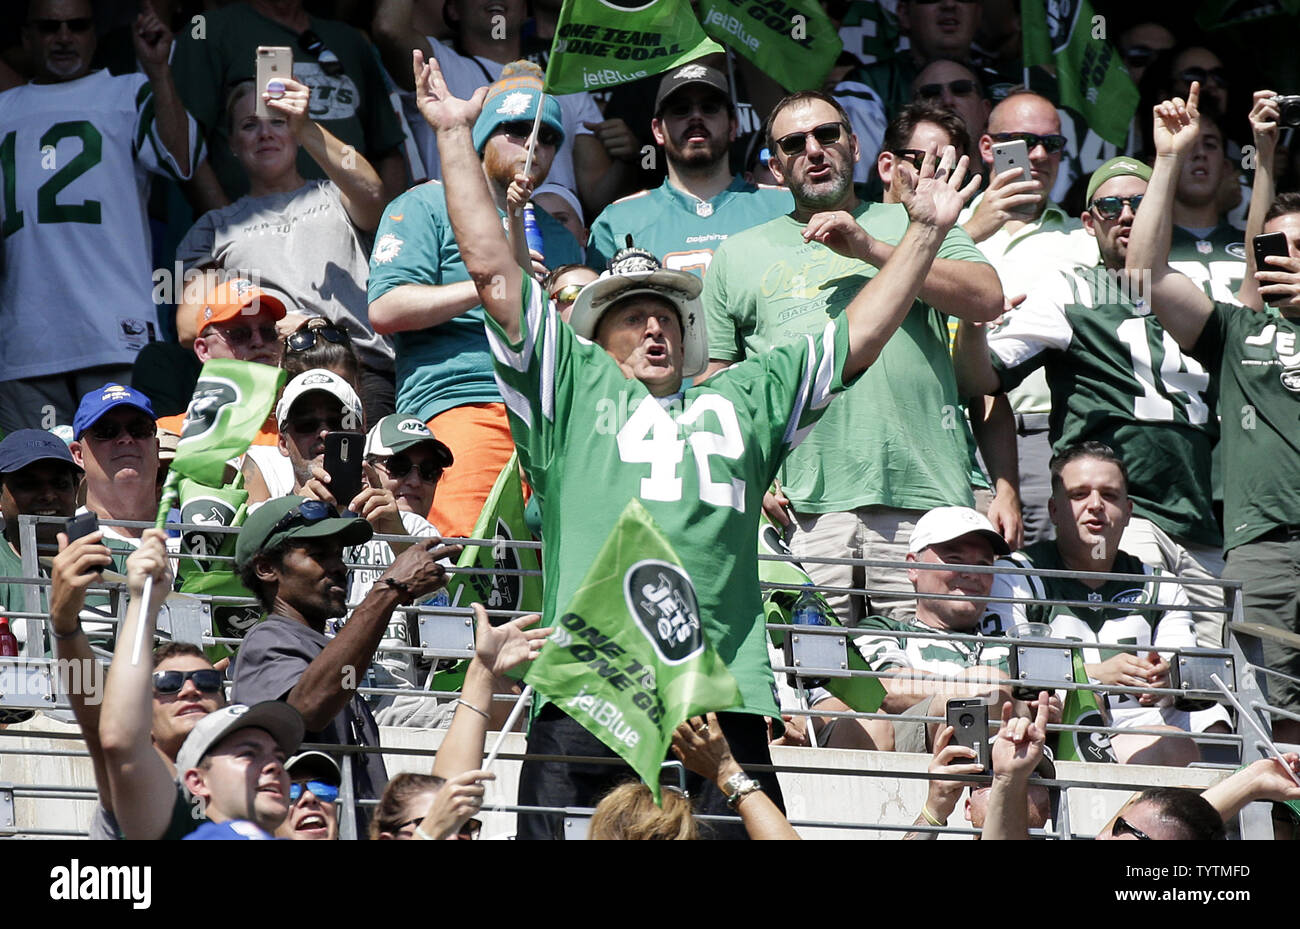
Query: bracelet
x=470 y=706
x=67 y=635
x=400 y=586
x=419 y=833
x=739 y=786
x=929 y=817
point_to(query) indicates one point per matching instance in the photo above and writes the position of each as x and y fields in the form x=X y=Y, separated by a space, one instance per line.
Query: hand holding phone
x=344 y=453
x=1270 y=243
x=273 y=63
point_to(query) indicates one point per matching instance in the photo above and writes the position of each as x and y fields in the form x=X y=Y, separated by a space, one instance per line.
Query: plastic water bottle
x=808 y=611
x=8 y=641
x=532 y=233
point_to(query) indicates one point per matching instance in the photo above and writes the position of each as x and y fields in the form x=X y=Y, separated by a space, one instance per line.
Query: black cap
x=688 y=74
x=21 y=448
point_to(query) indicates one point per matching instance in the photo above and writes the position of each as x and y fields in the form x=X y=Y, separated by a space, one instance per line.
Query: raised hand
x=292 y=104
x=418 y=568
x=1263 y=123
x=440 y=108
x=936 y=195
x=77 y=565
x=839 y=232
x=501 y=648
x=455 y=802
x=150 y=560
x=1178 y=123
x=152 y=40
x=1019 y=743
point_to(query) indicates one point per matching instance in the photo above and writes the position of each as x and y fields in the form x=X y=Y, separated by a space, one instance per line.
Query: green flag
x=502 y=518
x=863 y=694
x=231 y=401
x=1090 y=76
x=599 y=43
x=793 y=41
x=1218 y=14
x=628 y=659
x=1081 y=708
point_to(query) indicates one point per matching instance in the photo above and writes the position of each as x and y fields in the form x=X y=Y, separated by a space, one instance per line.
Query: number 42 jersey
x=1117 y=377
x=590 y=439
x=76 y=289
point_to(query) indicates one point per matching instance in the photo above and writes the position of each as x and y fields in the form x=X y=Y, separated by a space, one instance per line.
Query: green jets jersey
x=682 y=230
x=897 y=439
x=1117 y=377
x=1256 y=357
x=1122 y=615
x=590 y=439
x=1217 y=263
x=888 y=648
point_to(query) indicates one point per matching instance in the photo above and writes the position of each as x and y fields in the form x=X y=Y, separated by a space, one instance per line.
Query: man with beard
x=700 y=203
x=894 y=446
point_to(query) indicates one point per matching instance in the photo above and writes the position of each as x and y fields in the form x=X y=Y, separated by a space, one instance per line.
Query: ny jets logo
x=661 y=598
x=1061 y=15
x=234 y=621
x=501 y=591
x=413 y=427
x=204 y=511
x=212 y=396
x=629 y=6
x=1093 y=746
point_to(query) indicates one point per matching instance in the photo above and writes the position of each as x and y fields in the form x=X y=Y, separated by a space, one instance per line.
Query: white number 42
x=651 y=436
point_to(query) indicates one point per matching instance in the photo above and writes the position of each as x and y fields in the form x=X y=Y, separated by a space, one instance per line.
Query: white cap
x=279 y=719
x=945 y=523
x=326 y=382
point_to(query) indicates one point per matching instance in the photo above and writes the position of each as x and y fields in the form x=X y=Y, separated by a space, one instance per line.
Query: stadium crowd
x=924 y=315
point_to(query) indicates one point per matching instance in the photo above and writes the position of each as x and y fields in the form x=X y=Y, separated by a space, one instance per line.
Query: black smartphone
x=969 y=719
x=1270 y=243
x=81 y=525
x=344 y=452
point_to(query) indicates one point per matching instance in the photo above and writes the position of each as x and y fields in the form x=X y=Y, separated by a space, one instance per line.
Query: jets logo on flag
x=661 y=597
x=629 y=6
x=211 y=396
x=1061 y=15
x=205 y=511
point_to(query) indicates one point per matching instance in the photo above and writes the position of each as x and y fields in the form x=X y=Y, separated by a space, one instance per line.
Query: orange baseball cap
x=227 y=301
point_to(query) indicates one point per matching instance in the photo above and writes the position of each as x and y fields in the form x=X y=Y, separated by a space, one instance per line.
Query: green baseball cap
x=1123 y=166
x=295 y=517
x=398 y=432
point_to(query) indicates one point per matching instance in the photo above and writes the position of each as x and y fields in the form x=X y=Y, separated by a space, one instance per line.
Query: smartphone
x=1014 y=154
x=969 y=719
x=344 y=452
x=1271 y=243
x=274 y=62
x=82 y=525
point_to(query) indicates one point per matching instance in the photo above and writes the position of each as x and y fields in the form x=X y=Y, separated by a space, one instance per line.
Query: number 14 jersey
x=1117 y=377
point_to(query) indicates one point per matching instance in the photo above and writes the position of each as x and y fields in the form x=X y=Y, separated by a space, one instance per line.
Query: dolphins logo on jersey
x=661 y=598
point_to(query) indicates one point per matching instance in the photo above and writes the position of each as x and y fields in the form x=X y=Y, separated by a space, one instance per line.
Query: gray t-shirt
x=303 y=245
x=273 y=657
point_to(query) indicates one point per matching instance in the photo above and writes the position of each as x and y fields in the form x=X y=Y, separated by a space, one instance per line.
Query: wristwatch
x=737 y=786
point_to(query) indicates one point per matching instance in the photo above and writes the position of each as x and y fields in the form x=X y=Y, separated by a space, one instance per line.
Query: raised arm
x=994 y=426
x=1181 y=306
x=142 y=786
x=1016 y=750
x=933 y=199
x=359 y=184
x=968 y=290
x=1262 y=780
x=153 y=46
x=1263 y=126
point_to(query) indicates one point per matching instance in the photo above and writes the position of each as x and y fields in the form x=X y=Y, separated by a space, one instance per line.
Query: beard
x=820 y=195
x=696 y=156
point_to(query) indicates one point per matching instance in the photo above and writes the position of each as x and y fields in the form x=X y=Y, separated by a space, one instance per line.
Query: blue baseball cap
x=98 y=402
x=24 y=446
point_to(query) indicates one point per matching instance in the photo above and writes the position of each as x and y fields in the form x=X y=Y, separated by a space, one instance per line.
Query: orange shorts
x=478 y=435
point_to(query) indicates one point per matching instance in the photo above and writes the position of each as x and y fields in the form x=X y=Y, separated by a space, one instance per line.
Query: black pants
x=568 y=784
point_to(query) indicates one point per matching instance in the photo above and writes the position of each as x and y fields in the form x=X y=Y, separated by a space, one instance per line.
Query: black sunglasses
x=399 y=466
x=309 y=425
x=1216 y=76
x=680 y=109
x=325 y=793
x=313 y=45
x=51 y=26
x=1122 y=826
x=207 y=680
x=913 y=156
x=470 y=830
x=825 y=134
x=520 y=129
x=1051 y=143
x=304 y=339
x=108 y=430
x=961 y=88
x=1140 y=55
x=1112 y=207
x=243 y=335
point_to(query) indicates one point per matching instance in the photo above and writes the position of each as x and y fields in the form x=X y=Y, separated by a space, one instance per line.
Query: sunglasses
x=1216 y=76
x=682 y=108
x=108 y=430
x=51 y=26
x=399 y=466
x=243 y=335
x=313 y=45
x=1051 y=143
x=1123 y=827
x=913 y=156
x=325 y=793
x=207 y=680
x=1141 y=55
x=1112 y=207
x=567 y=294
x=962 y=88
x=304 y=339
x=306 y=513
x=470 y=830
x=521 y=129
x=310 y=425
x=825 y=134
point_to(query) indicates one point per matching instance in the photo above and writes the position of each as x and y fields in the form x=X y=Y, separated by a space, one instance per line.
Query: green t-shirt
x=1117 y=377
x=448 y=365
x=353 y=105
x=1216 y=263
x=680 y=229
x=1256 y=357
x=590 y=440
x=897 y=439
